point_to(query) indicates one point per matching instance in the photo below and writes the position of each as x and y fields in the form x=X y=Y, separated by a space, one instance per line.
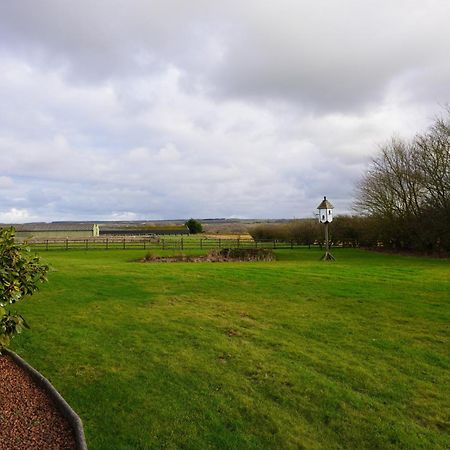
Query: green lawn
x=295 y=354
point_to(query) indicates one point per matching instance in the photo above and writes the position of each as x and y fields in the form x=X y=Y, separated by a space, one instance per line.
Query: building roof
x=142 y=231
x=150 y=229
x=34 y=227
x=325 y=204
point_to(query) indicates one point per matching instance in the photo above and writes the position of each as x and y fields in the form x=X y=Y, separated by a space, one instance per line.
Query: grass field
x=295 y=354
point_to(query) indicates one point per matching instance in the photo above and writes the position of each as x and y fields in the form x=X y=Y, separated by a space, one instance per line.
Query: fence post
x=256 y=243
x=201 y=243
x=182 y=245
x=220 y=243
x=292 y=243
x=238 y=242
x=274 y=243
x=107 y=243
x=124 y=243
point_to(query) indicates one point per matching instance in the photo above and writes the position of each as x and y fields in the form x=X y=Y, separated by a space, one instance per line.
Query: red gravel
x=29 y=420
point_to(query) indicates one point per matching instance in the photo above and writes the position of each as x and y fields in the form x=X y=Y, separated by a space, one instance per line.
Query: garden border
x=64 y=408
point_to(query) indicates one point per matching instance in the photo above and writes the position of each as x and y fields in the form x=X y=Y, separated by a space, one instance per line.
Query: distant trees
x=305 y=231
x=302 y=231
x=406 y=192
x=344 y=230
x=194 y=226
x=269 y=231
x=351 y=231
x=403 y=201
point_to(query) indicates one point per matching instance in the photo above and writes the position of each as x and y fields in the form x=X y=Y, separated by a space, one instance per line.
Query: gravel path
x=28 y=418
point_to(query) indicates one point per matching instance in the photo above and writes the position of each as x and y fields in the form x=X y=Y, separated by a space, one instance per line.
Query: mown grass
x=294 y=354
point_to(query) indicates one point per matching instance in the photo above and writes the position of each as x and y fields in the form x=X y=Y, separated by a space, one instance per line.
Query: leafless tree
x=393 y=184
x=433 y=161
x=407 y=189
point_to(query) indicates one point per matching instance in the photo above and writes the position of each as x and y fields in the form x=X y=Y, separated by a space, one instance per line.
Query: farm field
x=292 y=354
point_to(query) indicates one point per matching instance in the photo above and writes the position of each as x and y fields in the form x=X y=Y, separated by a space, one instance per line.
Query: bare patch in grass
x=223 y=255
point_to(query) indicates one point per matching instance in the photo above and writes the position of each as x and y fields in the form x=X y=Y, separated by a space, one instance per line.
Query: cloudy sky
x=130 y=109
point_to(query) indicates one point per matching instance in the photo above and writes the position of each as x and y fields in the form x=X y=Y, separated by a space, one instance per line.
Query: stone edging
x=61 y=404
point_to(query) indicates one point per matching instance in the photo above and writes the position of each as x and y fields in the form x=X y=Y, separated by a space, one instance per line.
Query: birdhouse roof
x=325 y=204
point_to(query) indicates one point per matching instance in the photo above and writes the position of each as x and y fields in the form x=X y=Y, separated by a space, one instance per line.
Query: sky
x=140 y=109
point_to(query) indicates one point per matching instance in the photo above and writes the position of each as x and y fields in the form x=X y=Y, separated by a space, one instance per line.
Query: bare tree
x=407 y=189
x=305 y=231
x=433 y=161
x=393 y=185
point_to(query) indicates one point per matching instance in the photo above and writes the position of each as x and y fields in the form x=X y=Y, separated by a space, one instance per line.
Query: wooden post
x=107 y=244
x=220 y=243
x=328 y=256
x=182 y=244
x=124 y=243
x=292 y=243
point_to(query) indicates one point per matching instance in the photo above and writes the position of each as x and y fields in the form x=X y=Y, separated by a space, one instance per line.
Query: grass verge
x=295 y=353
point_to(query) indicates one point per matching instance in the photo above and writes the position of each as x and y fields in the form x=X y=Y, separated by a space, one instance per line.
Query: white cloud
x=167 y=110
x=15 y=215
x=6 y=183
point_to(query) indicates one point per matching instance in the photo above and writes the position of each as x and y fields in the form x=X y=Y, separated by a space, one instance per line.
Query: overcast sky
x=139 y=109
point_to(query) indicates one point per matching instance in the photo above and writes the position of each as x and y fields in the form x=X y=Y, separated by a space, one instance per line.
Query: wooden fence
x=128 y=243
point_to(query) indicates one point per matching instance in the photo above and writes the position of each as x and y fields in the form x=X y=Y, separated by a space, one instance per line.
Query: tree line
x=405 y=194
x=350 y=231
x=402 y=201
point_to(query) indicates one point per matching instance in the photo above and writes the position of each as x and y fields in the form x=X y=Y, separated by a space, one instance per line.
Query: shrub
x=20 y=274
x=246 y=254
x=194 y=226
x=305 y=231
x=270 y=231
x=302 y=231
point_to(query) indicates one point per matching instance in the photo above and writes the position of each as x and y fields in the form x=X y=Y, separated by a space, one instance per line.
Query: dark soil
x=223 y=255
x=29 y=420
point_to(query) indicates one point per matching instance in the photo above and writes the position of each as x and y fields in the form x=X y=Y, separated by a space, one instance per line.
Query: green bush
x=246 y=254
x=270 y=231
x=301 y=231
x=194 y=226
x=20 y=274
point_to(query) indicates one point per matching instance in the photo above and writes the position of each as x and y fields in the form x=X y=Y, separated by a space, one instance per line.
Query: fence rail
x=152 y=243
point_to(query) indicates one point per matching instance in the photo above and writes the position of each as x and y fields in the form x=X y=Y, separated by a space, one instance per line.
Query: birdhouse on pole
x=325 y=217
x=325 y=211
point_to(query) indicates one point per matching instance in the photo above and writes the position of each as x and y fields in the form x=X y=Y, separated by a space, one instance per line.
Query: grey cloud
x=332 y=55
x=175 y=109
x=322 y=54
x=93 y=41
